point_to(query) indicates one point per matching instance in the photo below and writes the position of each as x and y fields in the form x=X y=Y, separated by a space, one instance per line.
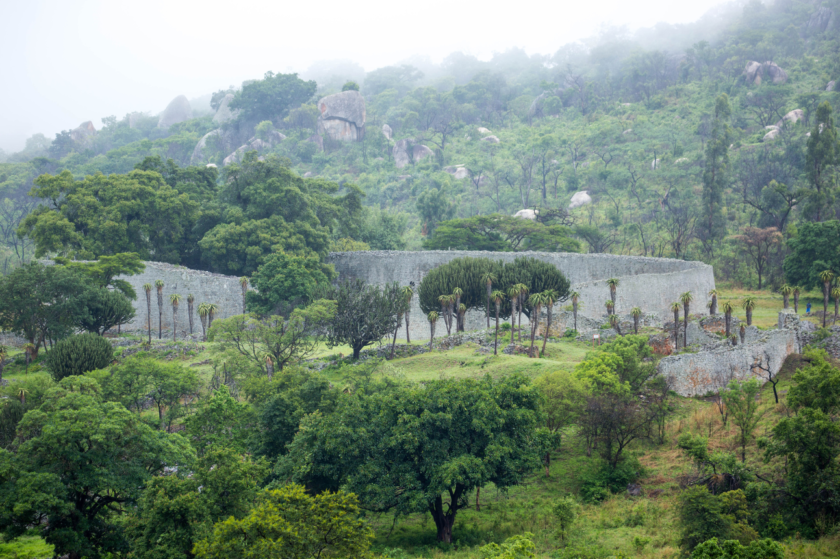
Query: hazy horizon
x=80 y=61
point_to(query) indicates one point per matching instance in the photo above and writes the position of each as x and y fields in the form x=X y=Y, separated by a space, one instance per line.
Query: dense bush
x=79 y=354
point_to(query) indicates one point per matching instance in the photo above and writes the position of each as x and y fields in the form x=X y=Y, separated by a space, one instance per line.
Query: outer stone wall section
x=206 y=287
x=696 y=374
x=651 y=284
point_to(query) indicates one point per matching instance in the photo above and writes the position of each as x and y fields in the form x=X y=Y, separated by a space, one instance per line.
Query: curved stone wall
x=651 y=284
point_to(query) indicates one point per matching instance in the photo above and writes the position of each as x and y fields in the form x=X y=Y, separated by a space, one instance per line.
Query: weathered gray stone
x=526 y=214
x=482 y=130
x=387 y=132
x=317 y=140
x=830 y=86
x=342 y=116
x=198 y=155
x=83 y=134
x=491 y=139
x=771 y=135
x=756 y=72
x=223 y=113
x=581 y=198
x=752 y=70
x=421 y=152
x=400 y=152
x=793 y=117
x=648 y=283
x=820 y=21
x=177 y=111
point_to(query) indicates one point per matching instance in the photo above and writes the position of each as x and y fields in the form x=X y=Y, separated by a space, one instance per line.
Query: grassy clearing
x=26 y=547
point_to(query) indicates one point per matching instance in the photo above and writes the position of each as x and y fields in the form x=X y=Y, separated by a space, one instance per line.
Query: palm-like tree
x=796 y=290
x=408 y=293
x=433 y=318
x=159 y=287
x=835 y=294
x=4 y=352
x=457 y=293
x=575 y=296
x=536 y=301
x=610 y=306
x=713 y=302
x=675 y=308
x=613 y=283
x=786 y=290
x=175 y=299
x=686 y=299
x=212 y=309
x=498 y=297
x=513 y=293
x=488 y=279
x=727 y=317
x=148 y=289
x=523 y=295
x=637 y=314
x=743 y=332
x=444 y=310
x=826 y=276
x=549 y=298
x=243 y=283
x=748 y=304
x=190 y=310
x=462 y=312
x=203 y=311
x=615 y=322
x=396 y=329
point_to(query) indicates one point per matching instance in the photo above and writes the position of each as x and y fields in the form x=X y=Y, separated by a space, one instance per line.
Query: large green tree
x=711 y=225
x=822 y=156
x=284 y=280
x=500 y=233
x=813 y=249
x=422 y=449
x=272 y=97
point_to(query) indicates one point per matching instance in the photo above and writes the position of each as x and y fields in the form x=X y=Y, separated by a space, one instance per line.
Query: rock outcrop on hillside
x=177 y=111
x=405 y=152
x=755 y=72
x=387 y=132
x=254 y=144
x=223 y=113
x=199 y=155
x=526 y=214
x=820 y=21
x=458 y=172
x=581 y=198
x=83 y=134
x=342 y=116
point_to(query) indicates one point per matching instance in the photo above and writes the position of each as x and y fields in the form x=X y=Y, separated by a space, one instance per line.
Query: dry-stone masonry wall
x=651 y=284
x=206 y=287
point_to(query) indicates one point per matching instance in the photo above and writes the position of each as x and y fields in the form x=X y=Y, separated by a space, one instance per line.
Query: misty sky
x=69 y=61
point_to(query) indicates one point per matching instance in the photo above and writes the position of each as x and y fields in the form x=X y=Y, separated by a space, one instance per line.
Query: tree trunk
x=728 y=321
x=749 y=317
x=796 y=303
x=636 y=325
x=676 y=330
x=519 y=319
x=149 y=315
x=394 y=343
x=478 y=489
x=432 y=337
x=685 y=328
x=547 y=329
x=786 y=298
x=174 y=325
x=496 y=340
x=443 y=521
x=536 y=313
x=574 y=312
x=356 y=352
x=836 y=303
x=190 y=312
x=407 y=334
x=825 y=303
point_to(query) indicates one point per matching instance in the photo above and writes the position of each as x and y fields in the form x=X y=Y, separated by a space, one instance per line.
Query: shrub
x=565 y=511
x=77 y=355
x=602 y=480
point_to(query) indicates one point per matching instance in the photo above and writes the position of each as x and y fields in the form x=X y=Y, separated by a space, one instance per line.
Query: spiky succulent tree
x=523 y=296
x=488 y=279
x=513 y=293
x=243 y=283
x=749 y=304
x=613 y=284
x=796 y=291
x=637 y=314
x=675 y=308
x=191 y=311
x=444 y=311
x=610 y=307
x=148 y=289
x=462 y=313
x=457 y=293
x=686 y=299
x=159 y=288
x=498 y=297
x=727 y=317
x=536 y=301
x=203 y=312
x=408 y=293
x=786 y=291
x=175 y=299
x=575 y=296
x=743 y=332
x=713 y=302
x=212 y=311
x=433 y=318
x=826 y=276
x=549 y=298
x=615 y=322
x=835 y=294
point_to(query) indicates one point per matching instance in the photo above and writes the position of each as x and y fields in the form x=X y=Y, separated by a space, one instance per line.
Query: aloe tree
x=743 y=332
x=835 y=294
x=212 y=309
x=686 y=299
x=445 y=311
x=203 y=311
x=408 y=293
x=613 y=283
x=796 y=290
x=786 y=290
x=748 y=304
x=462 y=312
x=675 y=308
x=523 y=296
x=826 y=276
x=488 y=279
x=536 y=301
x=727 y=317
x=159 y=287
x=498 y=297
x=637 y=314
x=191 y=310
x=458 y=293
x=433 y=318
x=575 y=296
x=513 y=293
x=243 y=283
x=175 y=299
x=549 y=298
x=610 y=306
x=147 y=287
x=713 y=302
